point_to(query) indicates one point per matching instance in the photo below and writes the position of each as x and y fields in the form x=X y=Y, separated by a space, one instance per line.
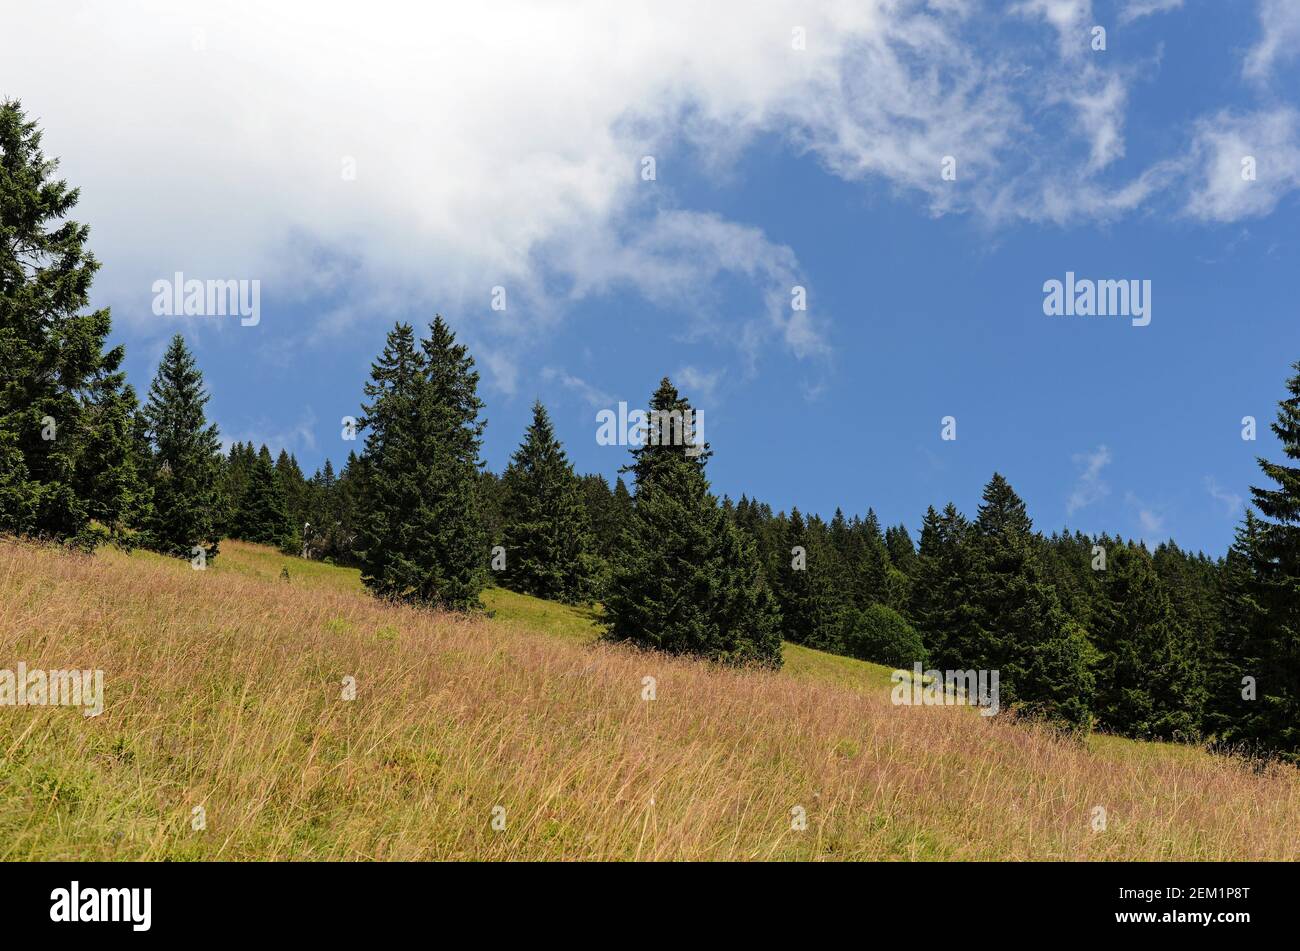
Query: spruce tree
x=391 y=422
x=902 y=565
x=319 y=533
x=1044 y=657
x=1237 y=658
x=812 y=586
x=184 y=463
x=941 y=606
x=746 y=614
x=547 y=534
x=1149 y=678
x=234 y=482
x=1272 y=642
x=874 y=566
x=902 y=553
x=64 y=410
x=263 y=511
x=116 y=486
x=794 y=585
x=352 y=509
x=687 y=578
x=622 y=509
x=422 y=537
x=295 y=491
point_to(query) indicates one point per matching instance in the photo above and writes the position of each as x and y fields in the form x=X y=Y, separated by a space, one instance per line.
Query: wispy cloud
x=535 y=182
x=1224 y=185
x=1068 y=17
x=589 y=394
x=1089 y=488
x=677 y=257
x=1136 y=9
x=1150 y=521
x=300 y=437
x=1279 y=24
x=698 y=384
x=1231 y=501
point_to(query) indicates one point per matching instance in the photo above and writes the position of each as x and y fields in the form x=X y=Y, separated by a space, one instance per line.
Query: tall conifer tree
x=1232 y=685
x=263 y=511
x=794 y=585
x=64 y=409
x=422 y=537
x=687 y=578
x=941 y=606
x=1149 y=679
x=1044 y=657
x=185 y=458
x=1272 y=718
x=547 y=535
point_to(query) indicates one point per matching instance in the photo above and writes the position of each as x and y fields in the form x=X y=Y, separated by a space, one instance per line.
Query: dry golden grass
x=223 y=689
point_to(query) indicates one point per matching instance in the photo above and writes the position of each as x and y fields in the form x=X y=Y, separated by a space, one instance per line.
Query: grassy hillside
x=223 y=690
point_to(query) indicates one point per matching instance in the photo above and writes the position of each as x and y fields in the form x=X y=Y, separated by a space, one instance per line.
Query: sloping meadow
x=248 y=716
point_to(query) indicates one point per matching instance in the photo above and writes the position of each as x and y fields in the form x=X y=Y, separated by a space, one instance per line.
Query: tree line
x=1086 y=631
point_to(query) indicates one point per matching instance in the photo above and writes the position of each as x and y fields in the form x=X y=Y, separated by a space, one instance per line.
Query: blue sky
x=503 y=147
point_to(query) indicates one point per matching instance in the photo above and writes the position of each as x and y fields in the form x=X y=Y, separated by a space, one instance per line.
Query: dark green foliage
x=184 y=460
x=883 y=636
x=687 y=578
x=336 y=510
x=547 y=536
x=794 y=584
x=1074 y=566
x=607 y=509
x=745 y=612
x=872 y=569
x=322 y=500
x=981 y=600
x=297 y=500
x=902 y=553
x=1265 y=603
x=263 y=514
x=65 y=412
x=492 y=505
x=811 y=586
x=940 y=606
x=902 y=567
x=422 y=539
x=232 y=485
x=1149 y=677
x=1229 y=711
x=1019 y=626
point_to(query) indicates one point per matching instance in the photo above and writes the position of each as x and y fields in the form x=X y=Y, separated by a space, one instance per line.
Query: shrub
x=881 y=635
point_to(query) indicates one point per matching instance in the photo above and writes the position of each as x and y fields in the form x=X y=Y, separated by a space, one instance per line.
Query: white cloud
x=1136 y=9
x=491 y=142
x=1231 y=501
x=1219 y=190
x=1089 y=488
x=678 y=256
x=698 y=384
x=1070 y=18
x=1279 y=23
x=1151 y=523
x=300 y=437
x=1100 y=104
x=500 y=143
x=592 y=395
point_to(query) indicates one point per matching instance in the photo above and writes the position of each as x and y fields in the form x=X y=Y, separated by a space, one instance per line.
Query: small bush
x=881 y=635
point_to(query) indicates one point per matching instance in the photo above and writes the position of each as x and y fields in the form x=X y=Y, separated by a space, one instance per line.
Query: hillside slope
x=223 y=691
